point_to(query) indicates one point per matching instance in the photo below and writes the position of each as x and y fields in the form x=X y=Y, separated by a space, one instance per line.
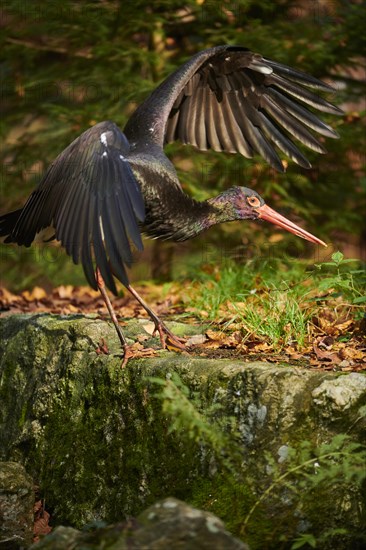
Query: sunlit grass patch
x=282 y=305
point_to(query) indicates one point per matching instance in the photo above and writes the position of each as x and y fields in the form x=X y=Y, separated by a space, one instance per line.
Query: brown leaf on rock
x=354 y=353
x=41 y=519
x=137 y=351
x=149 y=327
x=214 y=335
x=196 y=340
x=293 y=354
x=261 y=347
x=102 y=348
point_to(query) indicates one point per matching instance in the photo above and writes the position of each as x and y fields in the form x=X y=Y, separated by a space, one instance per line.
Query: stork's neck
x=180 y=217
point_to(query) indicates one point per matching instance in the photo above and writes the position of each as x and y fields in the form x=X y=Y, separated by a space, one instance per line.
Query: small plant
x=186 y=416
x=351 y=283
x=308 y=471
x=285 y=312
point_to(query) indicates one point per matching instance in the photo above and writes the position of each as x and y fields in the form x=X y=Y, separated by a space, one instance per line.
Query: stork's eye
x=254 y=201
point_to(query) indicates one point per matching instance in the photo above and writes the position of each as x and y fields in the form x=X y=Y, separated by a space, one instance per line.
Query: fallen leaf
x=149 y=327
x=64 y=291
x=41 y=519
x=102 y=348
x=8 y=296
x=214 y=335
x=325 y=355
x=326 y=342
x=196 y=340
x=293 y=354
x=344 y=326
x=36 y=294
x=137 y=351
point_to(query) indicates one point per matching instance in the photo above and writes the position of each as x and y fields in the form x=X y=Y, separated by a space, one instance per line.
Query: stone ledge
x=94 y=436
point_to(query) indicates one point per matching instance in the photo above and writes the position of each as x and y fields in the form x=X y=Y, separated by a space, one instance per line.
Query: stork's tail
x=7 y=224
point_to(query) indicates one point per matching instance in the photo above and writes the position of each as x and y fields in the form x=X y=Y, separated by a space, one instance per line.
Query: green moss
x=133 y=460
x=23 y=415
x=231 y=500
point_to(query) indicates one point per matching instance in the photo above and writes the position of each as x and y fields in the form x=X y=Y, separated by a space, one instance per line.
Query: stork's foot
x=169 y=340
x=136 y=351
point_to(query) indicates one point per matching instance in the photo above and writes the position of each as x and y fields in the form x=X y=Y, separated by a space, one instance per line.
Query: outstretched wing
x=92 y=199
x=230 y=99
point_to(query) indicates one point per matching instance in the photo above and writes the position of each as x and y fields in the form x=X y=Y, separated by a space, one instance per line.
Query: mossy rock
x=169 y=523
x=95 y=437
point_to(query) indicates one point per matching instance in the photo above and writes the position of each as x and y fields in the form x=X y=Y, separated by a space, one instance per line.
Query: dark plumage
x=108 y=186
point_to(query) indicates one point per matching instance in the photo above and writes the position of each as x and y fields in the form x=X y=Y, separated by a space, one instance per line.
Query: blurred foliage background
x=67 y=65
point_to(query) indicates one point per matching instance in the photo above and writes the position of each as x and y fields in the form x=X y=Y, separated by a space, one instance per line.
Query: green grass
x=278 y=318
x=278 y=305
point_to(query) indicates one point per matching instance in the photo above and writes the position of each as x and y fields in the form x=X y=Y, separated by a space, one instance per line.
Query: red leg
x=112 y=313
x=166 y=336
x=128 y=351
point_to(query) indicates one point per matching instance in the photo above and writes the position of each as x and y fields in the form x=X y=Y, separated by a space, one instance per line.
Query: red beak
x=270 y=215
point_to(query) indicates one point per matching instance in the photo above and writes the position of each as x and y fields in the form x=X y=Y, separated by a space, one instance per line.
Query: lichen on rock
x=339 y=394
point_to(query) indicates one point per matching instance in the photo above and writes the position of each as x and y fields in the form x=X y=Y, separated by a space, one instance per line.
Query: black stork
x=108 y=187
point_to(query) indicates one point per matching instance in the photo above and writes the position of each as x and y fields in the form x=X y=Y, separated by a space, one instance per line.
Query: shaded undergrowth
x=297 y=501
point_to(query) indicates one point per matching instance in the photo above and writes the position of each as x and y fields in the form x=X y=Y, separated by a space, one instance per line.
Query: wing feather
x=92 y=199
x=200 y=126
x=281 y=141
x=230 y=99
x=303 y=115
x=194 y=109
x=86 y=244
x=116 y=241
x=101 y=258
x=212 y=137
x=234 y=129
x=291 y=125
x=302 y=94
